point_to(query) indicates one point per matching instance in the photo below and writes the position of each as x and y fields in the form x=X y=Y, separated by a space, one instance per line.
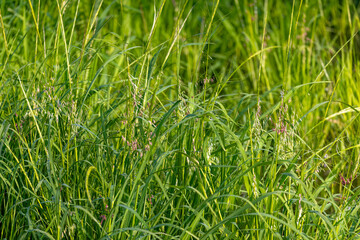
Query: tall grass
x=179 y=119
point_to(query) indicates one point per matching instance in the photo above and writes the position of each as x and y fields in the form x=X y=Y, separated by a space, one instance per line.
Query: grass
x=179 y=119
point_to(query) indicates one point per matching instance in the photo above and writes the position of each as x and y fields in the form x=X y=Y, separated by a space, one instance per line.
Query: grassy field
x=179 y=119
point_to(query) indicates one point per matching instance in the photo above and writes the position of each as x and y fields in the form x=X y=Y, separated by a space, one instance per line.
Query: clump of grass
x=179 y=120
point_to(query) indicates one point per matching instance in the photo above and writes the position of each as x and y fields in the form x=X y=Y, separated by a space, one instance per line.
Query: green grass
x=186 y=119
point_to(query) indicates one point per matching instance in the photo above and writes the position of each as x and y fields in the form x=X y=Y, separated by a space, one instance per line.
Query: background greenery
x=185 y=119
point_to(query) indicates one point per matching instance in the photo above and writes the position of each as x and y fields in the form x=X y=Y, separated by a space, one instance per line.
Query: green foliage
x=207 y=119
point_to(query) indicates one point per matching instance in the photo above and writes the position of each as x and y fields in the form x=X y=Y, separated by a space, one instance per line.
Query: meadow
x=179 y=119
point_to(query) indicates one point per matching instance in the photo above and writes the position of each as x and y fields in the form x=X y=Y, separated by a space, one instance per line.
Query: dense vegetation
x=179 y=119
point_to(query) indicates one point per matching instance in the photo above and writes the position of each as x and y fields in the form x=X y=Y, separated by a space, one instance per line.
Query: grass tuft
x=179 y=119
